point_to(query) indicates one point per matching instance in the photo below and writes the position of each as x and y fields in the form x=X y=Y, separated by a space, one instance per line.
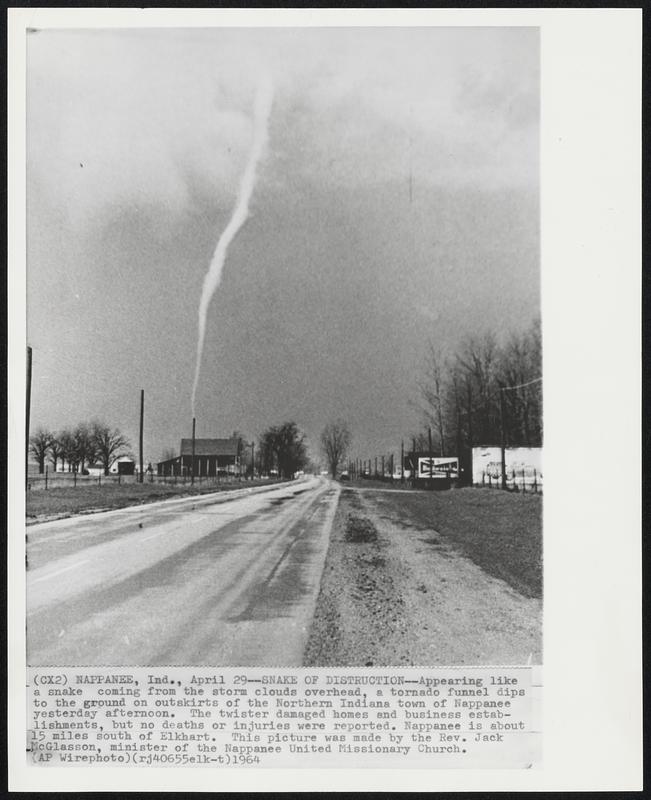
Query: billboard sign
x=523 y=465
x=443 y=467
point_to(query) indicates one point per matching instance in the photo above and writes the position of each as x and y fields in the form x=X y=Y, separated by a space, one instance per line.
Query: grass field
x=499 y=531
x=62 y=502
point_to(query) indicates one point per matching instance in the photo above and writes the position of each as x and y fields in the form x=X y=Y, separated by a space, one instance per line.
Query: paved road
x=196 y=581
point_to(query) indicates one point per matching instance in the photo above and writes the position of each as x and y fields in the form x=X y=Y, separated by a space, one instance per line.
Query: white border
x=591 y=267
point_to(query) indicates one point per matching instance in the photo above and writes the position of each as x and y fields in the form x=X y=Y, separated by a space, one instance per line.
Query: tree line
x=85 y=444
x=472 y=396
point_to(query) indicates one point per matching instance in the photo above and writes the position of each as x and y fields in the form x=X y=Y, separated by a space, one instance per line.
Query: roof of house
x=211 y=447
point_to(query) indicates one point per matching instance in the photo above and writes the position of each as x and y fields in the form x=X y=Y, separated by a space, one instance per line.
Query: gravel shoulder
x=398 y=590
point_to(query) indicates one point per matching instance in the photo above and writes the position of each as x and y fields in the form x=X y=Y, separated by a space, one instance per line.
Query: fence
x=59 y=480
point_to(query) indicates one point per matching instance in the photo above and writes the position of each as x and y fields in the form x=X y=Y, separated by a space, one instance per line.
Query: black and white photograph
x=322 y=399
x=284 y=347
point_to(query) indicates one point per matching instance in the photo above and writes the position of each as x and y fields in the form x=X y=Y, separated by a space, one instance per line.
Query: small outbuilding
x=124 y=466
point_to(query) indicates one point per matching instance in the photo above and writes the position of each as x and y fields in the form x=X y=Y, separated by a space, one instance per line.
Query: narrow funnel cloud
x=263 y=101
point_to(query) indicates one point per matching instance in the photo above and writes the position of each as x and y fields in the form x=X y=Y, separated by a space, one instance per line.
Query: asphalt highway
x=200 y=581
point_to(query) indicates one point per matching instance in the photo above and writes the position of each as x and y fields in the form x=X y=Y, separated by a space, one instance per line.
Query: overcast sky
x=397 y=201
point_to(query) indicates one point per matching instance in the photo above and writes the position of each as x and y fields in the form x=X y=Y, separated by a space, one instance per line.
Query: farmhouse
x=211 y=457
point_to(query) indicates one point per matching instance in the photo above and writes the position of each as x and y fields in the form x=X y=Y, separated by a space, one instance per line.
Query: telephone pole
x=502 y=438
x=194 y=428
x=28 y=402
x=142 y=419
x=414 y=462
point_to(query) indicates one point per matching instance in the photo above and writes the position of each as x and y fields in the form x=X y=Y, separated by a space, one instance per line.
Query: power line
x=521 y=385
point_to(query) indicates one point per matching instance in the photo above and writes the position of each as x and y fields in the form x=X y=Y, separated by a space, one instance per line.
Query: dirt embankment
x=396 y=590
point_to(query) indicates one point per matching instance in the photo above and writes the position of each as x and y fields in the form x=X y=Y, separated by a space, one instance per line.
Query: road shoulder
x=394 y=593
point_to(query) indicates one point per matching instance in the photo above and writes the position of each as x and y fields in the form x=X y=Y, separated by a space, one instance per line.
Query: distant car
x=344 y=476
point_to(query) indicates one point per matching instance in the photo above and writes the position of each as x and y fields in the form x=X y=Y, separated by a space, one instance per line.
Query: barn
x=212 y=457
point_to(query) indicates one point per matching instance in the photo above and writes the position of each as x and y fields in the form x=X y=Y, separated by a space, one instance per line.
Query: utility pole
x=470 y=436
x=194 y=430
x=430 y=455
x=414 y=463
x=402 y=461
x=142 y=420
x=459 y=445
x=502 y=437
x=252 y=459
x=382 y=467
x=28 y=403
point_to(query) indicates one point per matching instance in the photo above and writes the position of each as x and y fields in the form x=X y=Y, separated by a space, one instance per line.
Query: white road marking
x=60 y=571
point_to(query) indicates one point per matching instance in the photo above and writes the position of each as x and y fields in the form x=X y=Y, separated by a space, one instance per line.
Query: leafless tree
x=432 y=390
x=55 y=451
x=39 y=445
x=108 y=444
x=478 y=359
x=283 y=447
x=335 y=442
x=67 y=441
x=461 y=394
x=83 y=446
x=520 y=367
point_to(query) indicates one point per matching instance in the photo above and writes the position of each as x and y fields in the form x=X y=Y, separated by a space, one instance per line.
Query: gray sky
x=397 y=201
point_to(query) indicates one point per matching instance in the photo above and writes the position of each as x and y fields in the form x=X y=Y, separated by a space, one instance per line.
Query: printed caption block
x=443 y=717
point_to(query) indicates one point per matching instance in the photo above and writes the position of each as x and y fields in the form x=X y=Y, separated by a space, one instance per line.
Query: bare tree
x=109 y=444
x=67 y=441
x=55 y=451
x=477 y=360
x=283 y=446
x=335 y=442
x=39 y=446
x=83 y=446
x=520 y=369
x=431 y=388
x=461 y=395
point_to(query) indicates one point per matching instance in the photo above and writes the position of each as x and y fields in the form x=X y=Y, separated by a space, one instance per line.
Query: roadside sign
x=438 y=467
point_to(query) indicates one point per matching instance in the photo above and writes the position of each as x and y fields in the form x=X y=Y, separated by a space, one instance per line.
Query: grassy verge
x=499 y=531
x=376 y=483
x=66 y=501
